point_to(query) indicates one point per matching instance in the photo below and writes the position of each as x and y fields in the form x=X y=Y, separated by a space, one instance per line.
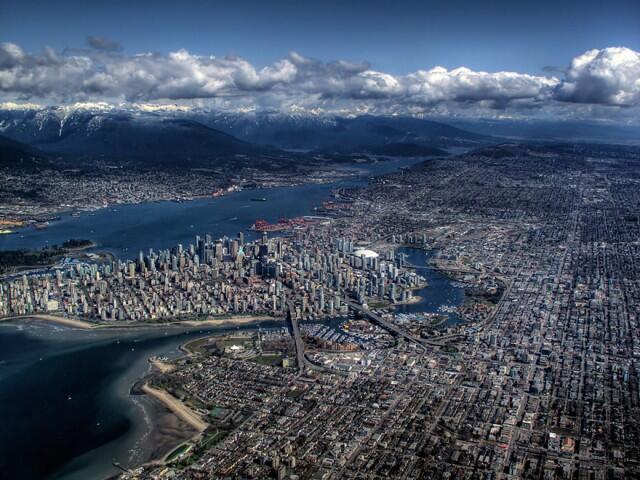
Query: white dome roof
x=365 y=253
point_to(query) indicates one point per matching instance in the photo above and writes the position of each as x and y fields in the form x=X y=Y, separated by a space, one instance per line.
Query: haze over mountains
x=547 y=130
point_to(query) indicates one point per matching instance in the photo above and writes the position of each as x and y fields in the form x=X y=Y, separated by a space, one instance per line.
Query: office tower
x=219 y=251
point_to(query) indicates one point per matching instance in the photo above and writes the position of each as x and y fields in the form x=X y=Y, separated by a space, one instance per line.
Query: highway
x=297 y=337
x=303 y=362
x=301 y=358
x=384 y=324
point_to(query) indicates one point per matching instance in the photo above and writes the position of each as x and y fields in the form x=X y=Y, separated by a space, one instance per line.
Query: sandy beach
x=177 y=407
x=69 y=322
x=235 y=320
x=77 y=323
x=163 y=367
x=167 y=432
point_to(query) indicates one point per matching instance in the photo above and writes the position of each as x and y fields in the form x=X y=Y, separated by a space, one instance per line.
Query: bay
x=124 y=230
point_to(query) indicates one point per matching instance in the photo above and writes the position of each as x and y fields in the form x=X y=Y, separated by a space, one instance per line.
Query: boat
x=41 y=225
x=259 y=199
x=6 y=231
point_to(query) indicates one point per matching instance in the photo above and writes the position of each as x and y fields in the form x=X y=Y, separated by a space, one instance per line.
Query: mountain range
x=176 y=137
x=199 y=138
x=342 y=134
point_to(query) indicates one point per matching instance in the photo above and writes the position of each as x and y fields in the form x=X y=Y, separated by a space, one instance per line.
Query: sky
x=458 y=57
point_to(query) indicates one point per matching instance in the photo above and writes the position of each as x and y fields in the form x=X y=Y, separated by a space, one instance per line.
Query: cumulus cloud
x=10 y=55
x=464 y=85
x=102 y=73
x=610 y=76
x=87 y=76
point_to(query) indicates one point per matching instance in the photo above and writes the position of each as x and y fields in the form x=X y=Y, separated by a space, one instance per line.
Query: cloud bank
x=608 y=77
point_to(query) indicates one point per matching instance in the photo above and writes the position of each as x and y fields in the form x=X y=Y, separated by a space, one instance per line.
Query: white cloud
x=10 y=55
x=155 y=107
x=465 y=85
x=20 y=106
x=608 y=77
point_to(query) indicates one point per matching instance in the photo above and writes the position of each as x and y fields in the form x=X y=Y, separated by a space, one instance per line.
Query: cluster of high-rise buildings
x=209 y=278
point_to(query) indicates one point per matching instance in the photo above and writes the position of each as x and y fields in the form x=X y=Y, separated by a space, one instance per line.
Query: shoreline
x=68 y=322
x=176 y=406
x=162 y=367
x=86 y=325
x=68 y=210
x=193 y=425
x=65 y=252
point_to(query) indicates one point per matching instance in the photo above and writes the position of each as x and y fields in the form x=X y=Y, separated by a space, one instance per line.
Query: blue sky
x=395 y=36
x=491 y=58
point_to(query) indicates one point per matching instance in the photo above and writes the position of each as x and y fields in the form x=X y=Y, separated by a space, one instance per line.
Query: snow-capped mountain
x=295 y=130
